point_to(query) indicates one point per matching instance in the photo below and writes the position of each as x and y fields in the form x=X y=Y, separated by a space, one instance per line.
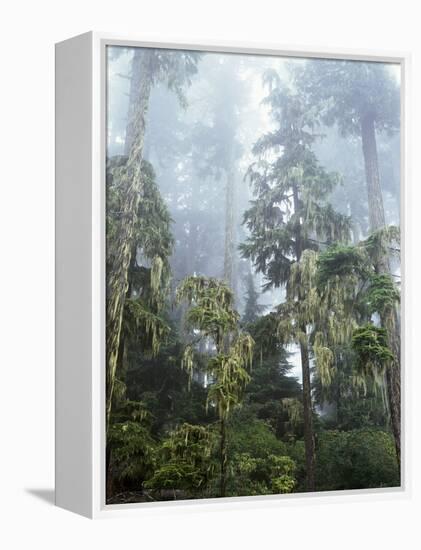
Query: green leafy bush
x=358 y=459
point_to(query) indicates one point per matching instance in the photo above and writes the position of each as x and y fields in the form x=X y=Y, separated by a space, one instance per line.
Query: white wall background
x=28 y=32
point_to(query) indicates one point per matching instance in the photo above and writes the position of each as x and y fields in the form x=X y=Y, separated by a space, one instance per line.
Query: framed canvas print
x=229 y=274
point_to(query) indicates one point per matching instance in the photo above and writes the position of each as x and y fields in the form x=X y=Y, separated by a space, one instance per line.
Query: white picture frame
x=80 y=274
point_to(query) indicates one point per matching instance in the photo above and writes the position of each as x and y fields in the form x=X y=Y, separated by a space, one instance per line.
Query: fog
x=200 y=140
x=253 y=275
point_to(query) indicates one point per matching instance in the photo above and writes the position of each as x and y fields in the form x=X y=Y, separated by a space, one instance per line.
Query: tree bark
x=308 y=416
x=223 y=458
x=310 y=451
x=229 y=249
x=371 y=164
x=131 y=184
x=393 y=379
x=389 y=321
x=109 y=487
x=136 y=80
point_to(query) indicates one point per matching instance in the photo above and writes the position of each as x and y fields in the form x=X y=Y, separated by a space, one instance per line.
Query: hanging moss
x=230 y=372
x=156 y=273
x=265 y=334
x=197 y=289
x=185 y=460
x=133 y=450
x=370 y=344
x=294 y=408
x=382 y=243
x=141 y=323
x=339 y=261
x=324 y=360
x=119 y=391
x=211 y=307
x=187 y=363
x=382 y=294
x=327 y=223
x=212 y=313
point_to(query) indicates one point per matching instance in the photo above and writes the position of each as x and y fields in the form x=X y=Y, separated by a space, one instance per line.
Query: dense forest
x=253 y=275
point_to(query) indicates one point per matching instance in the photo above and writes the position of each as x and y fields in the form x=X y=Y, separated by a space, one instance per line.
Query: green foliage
x=260 y=476
x=291 y=204
x=132 y=411
x=152 y=237
x=357 y=459
x=162 y=386
x=370 y=344
x=352 y=400
x=253 y=436
x=176 y=69
x=154 y=222
x=259 y=462
x=204 y=401
x=382 y=243
x=143 y=325
x=382 y=294
x=195 y=289
x=339 y=261
x=294 y=409
x=211 y=307
x=271 y=381
x=133 y=451
x=185 y=461
x=252 y=308
x=325 y=359
x=230 y=374
x=152 y=240
x=212 y=313
x=264 y=332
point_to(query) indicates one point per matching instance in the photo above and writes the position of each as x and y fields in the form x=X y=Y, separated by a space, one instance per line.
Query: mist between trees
x=253 y=275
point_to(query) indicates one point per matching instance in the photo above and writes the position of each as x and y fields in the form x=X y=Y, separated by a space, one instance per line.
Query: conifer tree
x=289 y=213
x=149 y=66
x=212 y=313
x=252 y=308
x=363 y=100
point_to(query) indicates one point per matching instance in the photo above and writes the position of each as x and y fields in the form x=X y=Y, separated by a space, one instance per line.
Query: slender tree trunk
x=109 y=481
x=136 y=81
x=393 y=379
x=308 y=416
x=229 y=249
x=223 y=457
x=390 y=321
x=310 y=451
x=371 y=164
x=131 y=184
x=229 y=252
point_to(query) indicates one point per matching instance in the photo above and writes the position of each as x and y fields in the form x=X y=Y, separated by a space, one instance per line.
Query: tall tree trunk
x=371 y=164
x=390 y=321
x=310 y=451
x=223 y=457
x=136 y=80
x=308 y=416
x=131 y=185
x=393 y=380
x=229 y=249
x=109 y=486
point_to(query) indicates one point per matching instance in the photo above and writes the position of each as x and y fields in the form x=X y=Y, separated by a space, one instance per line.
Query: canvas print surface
x=252 y=274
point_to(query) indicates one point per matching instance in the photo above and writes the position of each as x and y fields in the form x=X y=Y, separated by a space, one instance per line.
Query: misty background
x=189 y=136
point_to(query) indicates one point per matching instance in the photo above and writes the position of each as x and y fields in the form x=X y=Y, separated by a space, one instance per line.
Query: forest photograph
x=253 y=275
